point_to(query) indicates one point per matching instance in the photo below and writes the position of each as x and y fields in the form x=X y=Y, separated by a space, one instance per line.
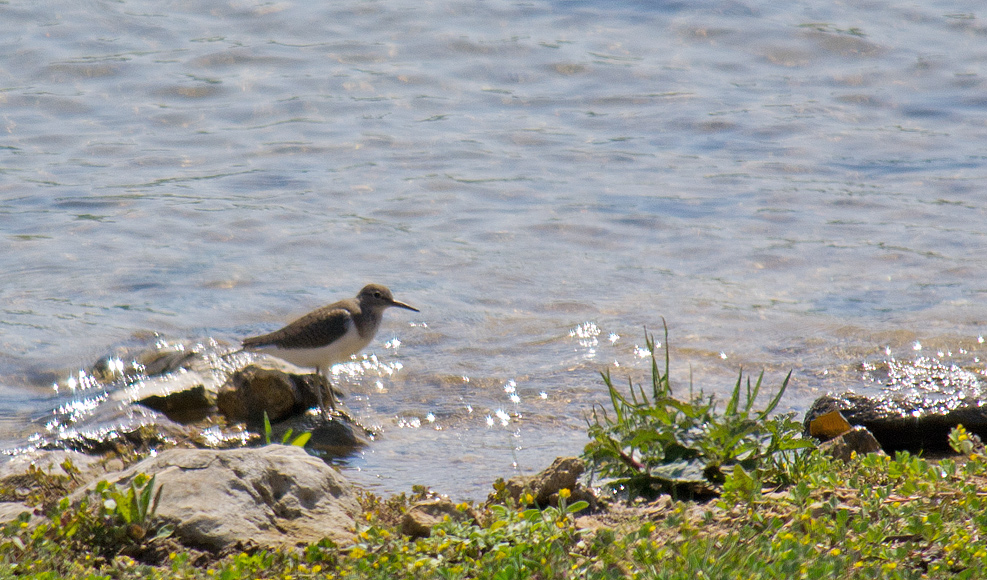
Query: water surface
x=791 y=185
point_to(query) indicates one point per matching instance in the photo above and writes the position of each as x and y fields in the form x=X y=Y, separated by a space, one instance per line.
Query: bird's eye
x=376 y=294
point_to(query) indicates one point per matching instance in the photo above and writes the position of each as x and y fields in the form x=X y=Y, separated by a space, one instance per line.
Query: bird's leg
x=318 y=393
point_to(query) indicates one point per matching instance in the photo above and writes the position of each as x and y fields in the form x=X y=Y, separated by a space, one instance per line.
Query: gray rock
x=11 y=510
x=273 y=496
x=195 y=395
x=16 y=482
x=857 y=440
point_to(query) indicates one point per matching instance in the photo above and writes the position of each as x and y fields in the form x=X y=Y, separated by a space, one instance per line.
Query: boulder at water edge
x=273 y=496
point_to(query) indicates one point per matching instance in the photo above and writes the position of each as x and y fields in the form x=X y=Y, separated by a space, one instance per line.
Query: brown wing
x=316 y=329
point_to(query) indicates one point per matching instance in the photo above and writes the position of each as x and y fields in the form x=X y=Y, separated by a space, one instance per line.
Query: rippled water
x=791 y=185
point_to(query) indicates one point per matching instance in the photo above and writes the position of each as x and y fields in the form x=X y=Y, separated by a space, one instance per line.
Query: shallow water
x=790 y=185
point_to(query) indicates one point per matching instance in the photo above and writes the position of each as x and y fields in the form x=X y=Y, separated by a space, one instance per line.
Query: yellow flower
x=835 y=552
x=564 y=493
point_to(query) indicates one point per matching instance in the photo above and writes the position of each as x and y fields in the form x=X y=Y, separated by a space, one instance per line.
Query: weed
x=286 y=439
x=657 y=443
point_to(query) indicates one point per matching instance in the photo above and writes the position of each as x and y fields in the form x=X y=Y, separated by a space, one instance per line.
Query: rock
x=337 y=437
x=11 y=510
x=828 y=426
x=923 y=399
x=906 y=421
x=418 y=521
x=270 y=388
x=205 y=396
x=17 y=483
x=124 y=439
x=273 y=496
x=544 y=487
x=857 y=440
x=186 y=406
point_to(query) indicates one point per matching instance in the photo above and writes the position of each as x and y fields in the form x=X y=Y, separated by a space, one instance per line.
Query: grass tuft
x=651 y=442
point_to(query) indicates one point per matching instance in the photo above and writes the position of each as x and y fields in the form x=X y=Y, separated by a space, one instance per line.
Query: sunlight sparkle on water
x=413 y=422
x=364 y=364
x=511 y=389
x=83 y=382
x=505 y=419
x=587 y=334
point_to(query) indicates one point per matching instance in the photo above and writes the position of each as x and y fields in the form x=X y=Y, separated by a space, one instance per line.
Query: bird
x=329 y=335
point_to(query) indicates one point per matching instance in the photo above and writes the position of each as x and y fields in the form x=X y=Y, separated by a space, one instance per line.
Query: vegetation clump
x=656 y=443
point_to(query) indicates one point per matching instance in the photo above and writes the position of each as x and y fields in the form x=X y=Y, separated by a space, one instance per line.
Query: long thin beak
x=403 y=305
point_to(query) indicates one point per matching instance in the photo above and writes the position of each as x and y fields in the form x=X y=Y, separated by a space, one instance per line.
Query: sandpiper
x=329 y=335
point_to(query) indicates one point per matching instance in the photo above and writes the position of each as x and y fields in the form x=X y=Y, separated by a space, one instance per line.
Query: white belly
x=323 y=357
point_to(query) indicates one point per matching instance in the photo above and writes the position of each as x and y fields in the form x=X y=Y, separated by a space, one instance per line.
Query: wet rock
x=203 y=396
x=269 y=388
x=273 y=496
x=564 y=473
x=906 y=421
x=421 y=517
x=337 y=435
x=857 y=440
x=186 y=406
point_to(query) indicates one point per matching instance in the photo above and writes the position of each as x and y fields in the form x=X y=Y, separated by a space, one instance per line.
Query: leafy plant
x=134 y=507
x=105 y=523
x=964 y=442
x=286 y=439
x=655 y=442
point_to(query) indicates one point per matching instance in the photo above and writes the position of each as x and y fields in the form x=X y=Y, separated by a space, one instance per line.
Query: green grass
x=782 y=509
